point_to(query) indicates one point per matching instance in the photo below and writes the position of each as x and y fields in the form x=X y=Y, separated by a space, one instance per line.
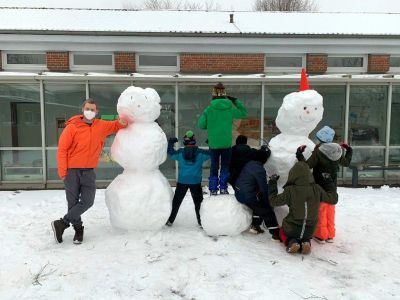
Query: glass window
x=394 y=160
x=367 y=115
x=284 y=61
x=20 y=115
x=158 y=60
x=367 y=157
x=26 y=59
x=395 y=120
x=345 y=62
x=21 y=165
x=395 y=61
x=274 y=95
x=62 y=101
x=93 y=59
x=334 y=110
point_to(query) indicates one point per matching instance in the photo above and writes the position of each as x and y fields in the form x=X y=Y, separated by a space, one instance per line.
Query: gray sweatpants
x=80 y=189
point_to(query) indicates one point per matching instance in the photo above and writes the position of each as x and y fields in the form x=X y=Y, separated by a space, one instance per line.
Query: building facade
x=61 y=57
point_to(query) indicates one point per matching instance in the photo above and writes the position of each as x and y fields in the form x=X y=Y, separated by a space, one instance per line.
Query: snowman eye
x=315 y=108
x=305 y=107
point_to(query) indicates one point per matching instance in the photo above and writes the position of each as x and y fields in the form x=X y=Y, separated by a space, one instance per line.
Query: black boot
x=78 y=237
x=275 y=234
x=58 y=228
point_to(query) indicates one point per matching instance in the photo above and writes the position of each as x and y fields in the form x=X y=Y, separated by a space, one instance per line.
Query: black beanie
x=261 y=156
x=241 y=140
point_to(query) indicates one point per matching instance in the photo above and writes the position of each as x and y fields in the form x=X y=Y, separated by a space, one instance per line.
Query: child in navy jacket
x=190 y=164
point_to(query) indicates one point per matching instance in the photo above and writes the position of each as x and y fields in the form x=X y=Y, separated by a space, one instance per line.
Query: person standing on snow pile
x=251 y=189
x=303 y=196
x=326 y=158
x=217 y=119
x=78 y=153
x=190 y=162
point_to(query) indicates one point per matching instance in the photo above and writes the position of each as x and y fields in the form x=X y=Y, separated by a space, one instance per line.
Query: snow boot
x=213 y=185
x=318 y=240
x=256 y=229
x=58 y=229
x=78 y=237
x=224 y=192
x=330 y=240
x=293 y=246
x=223 y=182
x=169 y=224
x=275 y=234
x=305 y=247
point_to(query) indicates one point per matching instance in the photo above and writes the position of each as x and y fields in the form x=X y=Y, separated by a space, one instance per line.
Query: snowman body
x=298 y=116
x=139 y=198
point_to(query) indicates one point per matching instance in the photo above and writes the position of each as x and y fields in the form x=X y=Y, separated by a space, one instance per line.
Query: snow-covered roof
x=198 y=22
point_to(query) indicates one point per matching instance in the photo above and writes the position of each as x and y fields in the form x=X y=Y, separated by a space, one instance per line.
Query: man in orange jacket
x=78 y=153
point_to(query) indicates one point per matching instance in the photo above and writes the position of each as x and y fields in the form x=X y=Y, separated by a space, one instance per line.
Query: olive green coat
x=303 y=197
x=326 y=158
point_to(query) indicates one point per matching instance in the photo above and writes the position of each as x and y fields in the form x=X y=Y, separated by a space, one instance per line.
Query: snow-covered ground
x=181 y=262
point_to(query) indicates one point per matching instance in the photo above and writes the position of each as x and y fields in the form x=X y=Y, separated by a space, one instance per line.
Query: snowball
x=140 y=146
x=300 y=113
x=224 y=215
x=139 y=200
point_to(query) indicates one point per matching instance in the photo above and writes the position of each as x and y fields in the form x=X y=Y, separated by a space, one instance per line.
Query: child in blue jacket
x=190 y=164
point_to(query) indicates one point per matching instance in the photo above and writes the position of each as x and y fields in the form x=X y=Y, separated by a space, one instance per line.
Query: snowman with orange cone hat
x=298 y=116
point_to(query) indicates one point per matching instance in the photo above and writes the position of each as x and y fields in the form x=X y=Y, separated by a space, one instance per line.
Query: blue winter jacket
x=252 y=181
x=189 y=171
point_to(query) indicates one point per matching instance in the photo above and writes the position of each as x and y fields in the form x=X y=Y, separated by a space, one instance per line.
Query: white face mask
x=89 y=114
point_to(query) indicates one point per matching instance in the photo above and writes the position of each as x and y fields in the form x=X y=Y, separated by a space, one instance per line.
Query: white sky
x=392 y=6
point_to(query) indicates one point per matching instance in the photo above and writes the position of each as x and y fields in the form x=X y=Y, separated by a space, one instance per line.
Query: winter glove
x=299 y=153
x=345 y=146
x=173 y=140
x=274 y=178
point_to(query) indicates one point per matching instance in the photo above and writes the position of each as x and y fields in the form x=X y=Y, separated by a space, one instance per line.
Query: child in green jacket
x=217 y=119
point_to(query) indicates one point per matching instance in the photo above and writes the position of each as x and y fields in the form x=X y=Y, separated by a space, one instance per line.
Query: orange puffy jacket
x=80 y=143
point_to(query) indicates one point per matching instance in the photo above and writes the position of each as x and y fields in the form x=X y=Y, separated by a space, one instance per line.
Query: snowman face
x=139 y=105
x=300 y=113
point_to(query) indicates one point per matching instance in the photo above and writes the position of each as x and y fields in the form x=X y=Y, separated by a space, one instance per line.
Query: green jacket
x=303 y=197
x=326 y=158
x=217 y=118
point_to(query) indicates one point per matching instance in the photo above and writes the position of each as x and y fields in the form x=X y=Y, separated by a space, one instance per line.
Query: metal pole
x=262 y=114
x=346 y=122
x=87 y=89
x=176 y=123
x=43 y=132
x=389 y=118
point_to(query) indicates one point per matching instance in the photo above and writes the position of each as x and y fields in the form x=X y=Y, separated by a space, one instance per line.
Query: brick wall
x=316 y=63
x=221 y=63
x=378 y=63
x=124 y=62
x=57 y=61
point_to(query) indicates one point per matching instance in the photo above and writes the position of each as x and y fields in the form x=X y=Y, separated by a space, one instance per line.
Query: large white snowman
x=298 y=116
x=139 y=198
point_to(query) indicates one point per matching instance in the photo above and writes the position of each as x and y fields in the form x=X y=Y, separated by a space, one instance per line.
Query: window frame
x=284 y=69
x=394 y=69
x=74 y=67
x=30 y=67
x=160 y=69
x=353 y=70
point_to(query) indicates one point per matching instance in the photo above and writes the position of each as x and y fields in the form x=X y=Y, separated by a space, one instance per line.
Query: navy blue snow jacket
x=252 y=181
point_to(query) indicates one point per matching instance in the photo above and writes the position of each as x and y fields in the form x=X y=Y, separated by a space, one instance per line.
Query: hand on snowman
x=299 y=153
x=122 y=121
x=274 y=178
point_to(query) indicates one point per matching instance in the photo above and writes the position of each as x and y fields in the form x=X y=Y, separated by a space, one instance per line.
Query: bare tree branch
x=284 y=5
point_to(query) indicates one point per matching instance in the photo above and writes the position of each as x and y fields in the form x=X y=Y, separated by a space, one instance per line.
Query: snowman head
x=139 y=105
x=301 y=111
